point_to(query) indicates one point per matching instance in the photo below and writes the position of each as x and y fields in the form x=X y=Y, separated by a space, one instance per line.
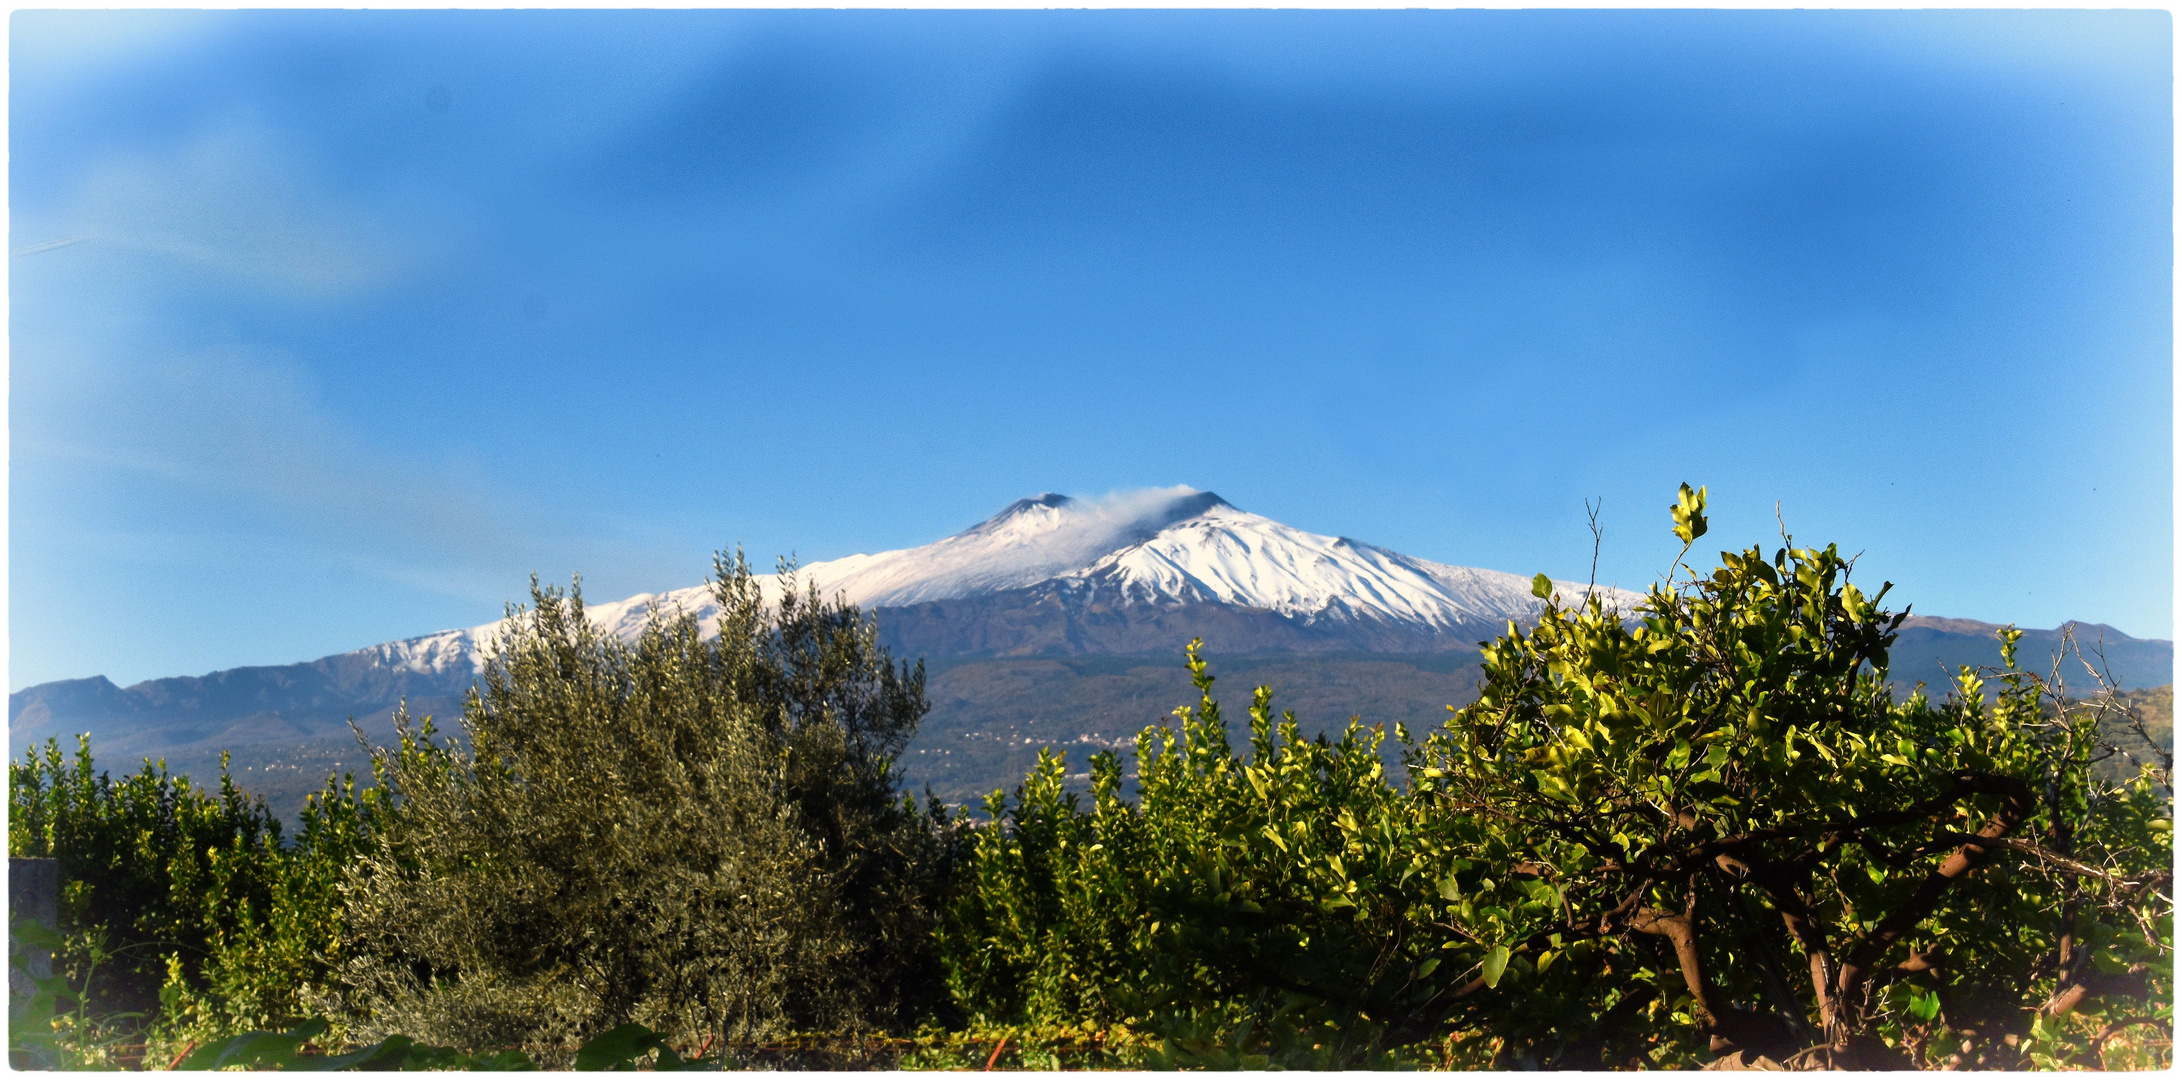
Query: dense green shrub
x=210 y=920
x=1228 y=893
x=1706 y=829
x=696 y=834
x=268 y=964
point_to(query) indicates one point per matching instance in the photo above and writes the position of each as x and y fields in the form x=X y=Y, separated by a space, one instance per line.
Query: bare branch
x=1598 y=536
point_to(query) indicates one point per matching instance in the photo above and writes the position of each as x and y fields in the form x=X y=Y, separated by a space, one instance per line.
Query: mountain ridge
x=1165 y=547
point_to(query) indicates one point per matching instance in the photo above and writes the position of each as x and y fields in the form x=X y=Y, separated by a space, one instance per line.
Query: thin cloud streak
x=50 y=245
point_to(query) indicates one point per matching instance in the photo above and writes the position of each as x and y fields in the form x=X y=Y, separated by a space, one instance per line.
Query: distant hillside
x=990 y=717
x=1930 y=650
x=251 y=711
x=2155 y=707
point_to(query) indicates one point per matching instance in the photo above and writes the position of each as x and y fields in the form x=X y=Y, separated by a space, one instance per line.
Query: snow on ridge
x=1233 y=556
x=1160 y=545
x=1030 y=541
x=430 y=654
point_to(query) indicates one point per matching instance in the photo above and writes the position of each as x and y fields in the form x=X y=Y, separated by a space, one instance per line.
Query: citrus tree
x=1713 y=829
x=184 y=901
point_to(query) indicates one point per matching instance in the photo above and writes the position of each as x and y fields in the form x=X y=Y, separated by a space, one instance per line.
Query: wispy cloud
x=64 y=49
x=50 y=245
x=239 y=202
x=251 y=426
x=1089 y=526
x=1133 y=506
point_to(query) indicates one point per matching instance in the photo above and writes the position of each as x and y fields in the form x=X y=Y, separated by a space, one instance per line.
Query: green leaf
x=385 y=1055
x=254 y=1049
x=504 y=1061
x=1496 y=962
x=1541 y=586
x=621 y=1046
x=1689 y=514
x=36 y=935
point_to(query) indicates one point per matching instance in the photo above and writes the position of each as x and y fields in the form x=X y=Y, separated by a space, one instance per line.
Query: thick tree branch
x=2053 y=858
x=1727 y=1025
x=1852 y=985
x=1739 y=846
x=1809 y=931
x=2129 y=984
x=1916 y=964
x=1677 y=930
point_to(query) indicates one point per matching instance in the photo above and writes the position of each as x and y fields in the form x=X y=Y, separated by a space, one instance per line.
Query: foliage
x=292 y=1051
x=1619 y=855
x=308 y=1048
x=267 y=969
x=1662 y=818
x=180 y=900
x=1262 y=912
x=1030 y=1048
x=698 y=835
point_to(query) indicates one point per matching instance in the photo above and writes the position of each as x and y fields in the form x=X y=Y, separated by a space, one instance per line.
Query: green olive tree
x=699 y=834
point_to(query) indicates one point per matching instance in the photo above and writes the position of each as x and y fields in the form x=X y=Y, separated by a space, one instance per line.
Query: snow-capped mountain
x=1160 y=550
x=1228 y=556
x=1058 y=620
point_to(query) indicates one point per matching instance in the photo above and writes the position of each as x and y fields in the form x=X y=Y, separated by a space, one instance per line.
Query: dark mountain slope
x=1931 y=650
x=1051 y=621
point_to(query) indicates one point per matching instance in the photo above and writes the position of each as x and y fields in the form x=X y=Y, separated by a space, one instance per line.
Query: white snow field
x=1164 y=546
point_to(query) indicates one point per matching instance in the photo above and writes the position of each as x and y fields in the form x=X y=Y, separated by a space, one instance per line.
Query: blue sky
x=372 y=314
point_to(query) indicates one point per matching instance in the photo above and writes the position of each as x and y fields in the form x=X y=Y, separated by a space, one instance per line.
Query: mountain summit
x=1170 y=557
